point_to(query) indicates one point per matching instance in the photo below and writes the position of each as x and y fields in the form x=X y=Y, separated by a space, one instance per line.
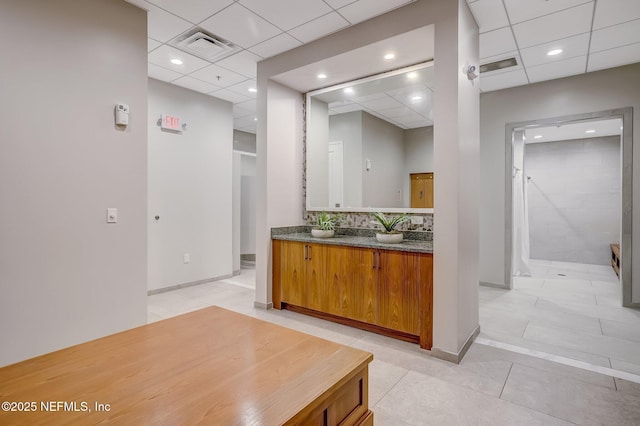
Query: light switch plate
x=417 y=220
x=112 y=215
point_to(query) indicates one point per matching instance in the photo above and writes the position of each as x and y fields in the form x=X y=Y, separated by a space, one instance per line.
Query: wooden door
x=358 y=295
x=399 y=291
x=421 y=190
x=293 y=273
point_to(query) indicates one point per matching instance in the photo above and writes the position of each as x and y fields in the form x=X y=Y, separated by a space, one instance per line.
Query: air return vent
x=498 y=65
x=204 y=45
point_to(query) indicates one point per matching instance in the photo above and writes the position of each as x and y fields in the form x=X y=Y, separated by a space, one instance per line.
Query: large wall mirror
x=370 y=143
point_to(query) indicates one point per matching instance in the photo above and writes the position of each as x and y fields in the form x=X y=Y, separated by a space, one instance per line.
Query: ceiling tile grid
x=592 y=35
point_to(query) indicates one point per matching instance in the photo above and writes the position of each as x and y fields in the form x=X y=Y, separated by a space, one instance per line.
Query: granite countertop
x=408 y=245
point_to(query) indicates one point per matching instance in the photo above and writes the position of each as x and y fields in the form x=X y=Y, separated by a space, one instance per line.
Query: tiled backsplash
x=366 y=220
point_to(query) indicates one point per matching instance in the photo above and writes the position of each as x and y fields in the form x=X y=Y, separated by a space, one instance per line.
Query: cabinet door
x=399 y=291
x=358 y=299
x=293 y=273
x=317 y=288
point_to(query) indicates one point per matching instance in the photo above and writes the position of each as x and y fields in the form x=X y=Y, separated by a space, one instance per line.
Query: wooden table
x=211 y=366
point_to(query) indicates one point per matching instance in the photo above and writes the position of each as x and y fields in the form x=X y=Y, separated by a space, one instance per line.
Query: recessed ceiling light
x=255 y=119
x=412 y=75
x=590 y=131
x=348 y=90
x=176 y=61
x=253 y=89
x=389 y=56
x=416 y=98
x=322 y=76
x=537 y=137
x=554 y=52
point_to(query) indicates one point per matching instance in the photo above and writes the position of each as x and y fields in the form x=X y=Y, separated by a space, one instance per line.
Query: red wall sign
x=171 y=122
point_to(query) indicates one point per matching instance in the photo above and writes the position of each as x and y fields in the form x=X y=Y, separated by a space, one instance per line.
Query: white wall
x=418 y=157
x=347 y=128
x=189 y=187
x=279 y=173
x=597 y=91
x=383 y=144
x=574 y=199
x=248 y=205
x=66 y=276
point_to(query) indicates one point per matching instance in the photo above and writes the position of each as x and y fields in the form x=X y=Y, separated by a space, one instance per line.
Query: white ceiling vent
x=203 y=45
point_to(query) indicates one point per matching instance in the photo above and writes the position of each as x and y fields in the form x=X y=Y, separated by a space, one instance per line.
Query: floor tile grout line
x=561 y=360
x=391 y=388
x=542 y=412
x=504 y=385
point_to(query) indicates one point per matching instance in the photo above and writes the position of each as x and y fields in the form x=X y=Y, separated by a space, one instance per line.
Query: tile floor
x=491 y=386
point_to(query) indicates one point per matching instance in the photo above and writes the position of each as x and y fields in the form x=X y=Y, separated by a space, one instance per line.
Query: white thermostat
x=122 y=114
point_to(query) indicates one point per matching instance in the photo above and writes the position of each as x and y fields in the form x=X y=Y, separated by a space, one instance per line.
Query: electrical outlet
x=186 y=258
x=112 y=215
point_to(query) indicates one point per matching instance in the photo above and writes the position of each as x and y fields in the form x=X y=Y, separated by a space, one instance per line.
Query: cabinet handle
x=309 y=255
x=305 y=252
x=379 y=261
x=373 y=259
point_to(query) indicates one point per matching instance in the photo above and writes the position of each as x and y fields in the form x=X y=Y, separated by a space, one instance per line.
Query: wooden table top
x=211 y=366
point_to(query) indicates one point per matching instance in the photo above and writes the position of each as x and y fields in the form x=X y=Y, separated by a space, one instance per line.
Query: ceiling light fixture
x=176 y=61
x=348 y=90
x=554 y=52
x=322 y=76
x=389 y=56
x=412 y=75
x=253 y=89
x=590 y=131
x=537 y=137
x=255 y=119
x=416 y=98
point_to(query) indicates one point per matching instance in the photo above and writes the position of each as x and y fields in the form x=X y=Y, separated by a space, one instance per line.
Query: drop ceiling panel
x=398 y=112
x=229 y=95
x=319 y=27
x=503 y=81
x=278 y=44
x=571 y=47
x=160 y=73
x=566 y=23
x=219 y=76
x=612 y=12
x=495 y=42
x=489 y=14
x=195 y=84
x=244 y=63
x=152 y=44
x=366 y=9
x=242 y=110
x=164 y=54
x=558 y=69
x=161 y=25
x=524 y=10
x=337 y=4
x=616 y=36
x=193 y=10
x=240 y=26
x=287 y=14
x=614 y=57
x=243 y=88
x=383 y=103
x=347 y=108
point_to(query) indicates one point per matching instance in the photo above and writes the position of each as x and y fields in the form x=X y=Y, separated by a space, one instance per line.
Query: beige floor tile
x=382 y=377
x=422 y=400
x=571 y=400
x=621 y=330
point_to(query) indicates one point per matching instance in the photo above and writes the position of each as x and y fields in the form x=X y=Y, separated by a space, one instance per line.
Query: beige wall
x=66 y=276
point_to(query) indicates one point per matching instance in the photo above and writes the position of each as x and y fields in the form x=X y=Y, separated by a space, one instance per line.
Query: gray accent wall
x=66 y=275
x=597 y=91
x=574 y=199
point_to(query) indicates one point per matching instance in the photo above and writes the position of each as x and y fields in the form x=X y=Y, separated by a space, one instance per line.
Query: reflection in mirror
x=370 y=143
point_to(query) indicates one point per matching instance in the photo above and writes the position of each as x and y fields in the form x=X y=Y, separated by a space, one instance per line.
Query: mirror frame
x=307 y=124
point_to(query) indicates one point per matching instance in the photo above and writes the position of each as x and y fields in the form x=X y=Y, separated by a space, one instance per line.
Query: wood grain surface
x=211 y=366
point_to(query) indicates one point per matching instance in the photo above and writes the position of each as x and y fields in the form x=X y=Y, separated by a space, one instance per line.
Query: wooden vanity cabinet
x=384 y=291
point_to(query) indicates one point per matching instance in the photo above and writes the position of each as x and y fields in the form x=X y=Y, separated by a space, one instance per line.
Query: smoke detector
x=204 y=45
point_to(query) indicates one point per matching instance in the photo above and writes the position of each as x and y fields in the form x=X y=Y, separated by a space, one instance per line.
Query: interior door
x=336 y=174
